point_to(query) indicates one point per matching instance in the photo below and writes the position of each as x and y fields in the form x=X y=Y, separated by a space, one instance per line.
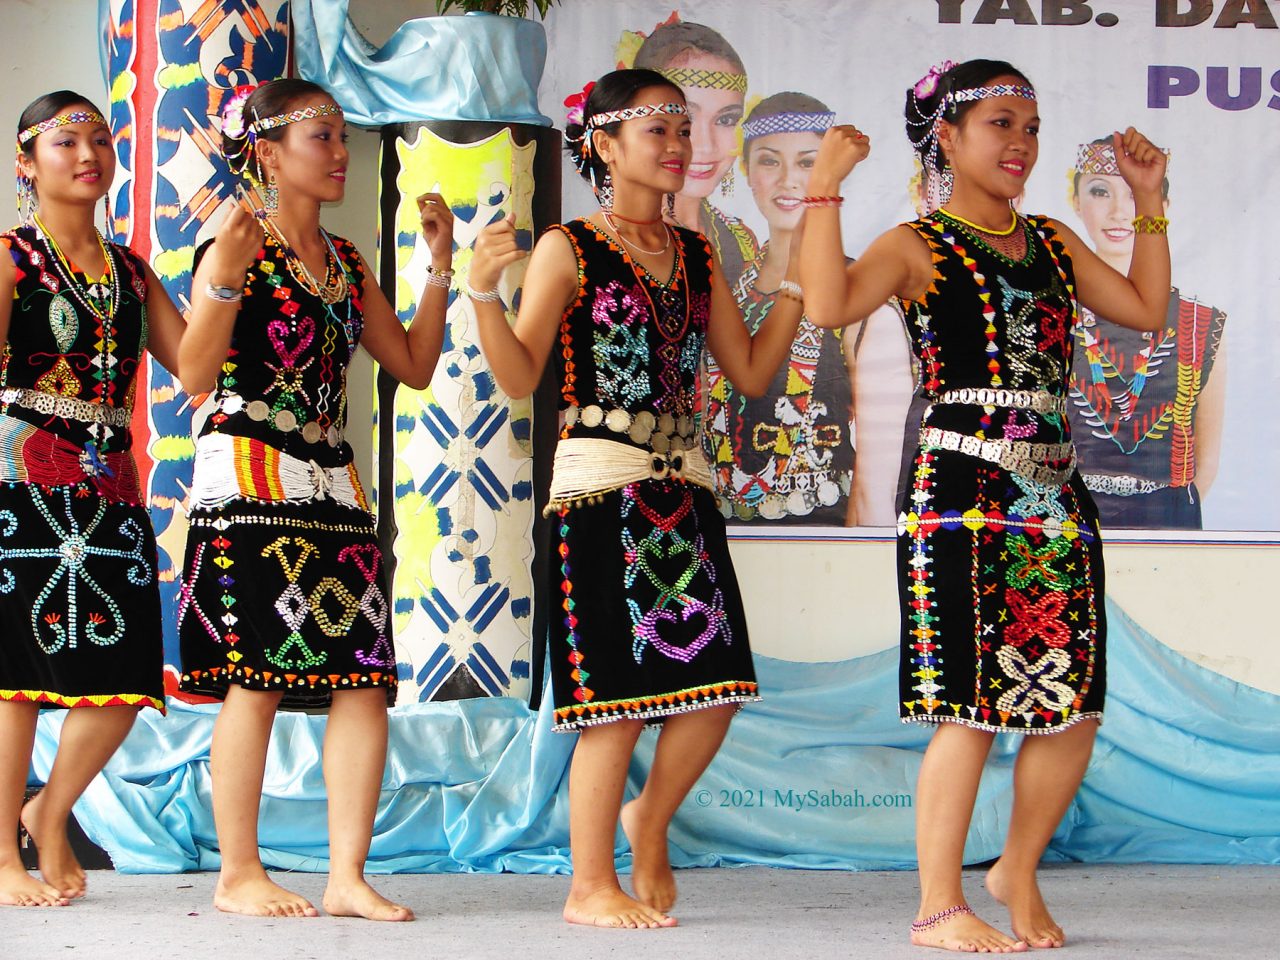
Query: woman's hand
x=842 y=148
x=235 y=246
x=1141 y=163
x=437 y=229
x=495 y=249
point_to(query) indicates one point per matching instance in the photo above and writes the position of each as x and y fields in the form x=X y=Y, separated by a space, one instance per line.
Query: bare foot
x=259 y=896
x=58 y=864
x=613 y=908
x=651 y=876
x=358 y=899
x=1028 y=914
x=965 y=933
x=19 y=889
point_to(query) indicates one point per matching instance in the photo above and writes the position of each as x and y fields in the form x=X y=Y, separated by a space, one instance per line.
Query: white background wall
x=805 y=601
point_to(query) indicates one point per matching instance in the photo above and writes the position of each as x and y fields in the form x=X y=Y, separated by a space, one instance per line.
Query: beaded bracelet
x=483 y=296
x=1151 y=225
x=822 y=201
x=439 y=278
x=791 y=290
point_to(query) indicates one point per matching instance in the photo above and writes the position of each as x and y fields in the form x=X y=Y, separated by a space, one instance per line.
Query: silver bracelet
x=790 y=287
x=439 y=278
x=223 y=294
x=483 y=296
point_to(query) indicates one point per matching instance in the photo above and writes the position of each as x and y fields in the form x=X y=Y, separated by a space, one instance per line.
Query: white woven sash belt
x=229 y=468
x=587 y=466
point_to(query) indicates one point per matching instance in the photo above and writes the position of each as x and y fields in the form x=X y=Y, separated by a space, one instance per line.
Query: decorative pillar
x=455 y=469
x=170 y=65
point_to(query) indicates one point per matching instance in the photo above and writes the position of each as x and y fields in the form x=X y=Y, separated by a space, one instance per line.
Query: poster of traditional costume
x=1171 y=428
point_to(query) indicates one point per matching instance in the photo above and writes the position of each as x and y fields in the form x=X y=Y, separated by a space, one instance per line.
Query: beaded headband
x=993 y=90
x=706 y=79
x=76 y=116
x=295 y=116
x=787 y=123
x=1097 y=158
x=635 y=113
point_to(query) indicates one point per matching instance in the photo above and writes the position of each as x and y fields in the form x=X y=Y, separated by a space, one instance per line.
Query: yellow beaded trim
x=1158 y=225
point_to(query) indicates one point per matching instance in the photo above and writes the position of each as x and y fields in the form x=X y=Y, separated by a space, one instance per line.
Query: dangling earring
x=726 y=185
x=671 y=207
x=111 y=224
x=27 y=201
x=271 y=198
x=948 y=182
x=604 y=193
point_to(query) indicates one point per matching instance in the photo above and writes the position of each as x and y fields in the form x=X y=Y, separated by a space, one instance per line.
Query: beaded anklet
x=928 y=923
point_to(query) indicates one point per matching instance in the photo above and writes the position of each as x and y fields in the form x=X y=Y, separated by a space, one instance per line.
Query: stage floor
x=1157 y=911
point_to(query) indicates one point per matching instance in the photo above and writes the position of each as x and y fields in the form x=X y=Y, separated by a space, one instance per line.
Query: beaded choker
x=76 y=116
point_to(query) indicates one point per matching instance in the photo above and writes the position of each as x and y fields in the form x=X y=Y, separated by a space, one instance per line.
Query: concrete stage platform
x=1157 y=911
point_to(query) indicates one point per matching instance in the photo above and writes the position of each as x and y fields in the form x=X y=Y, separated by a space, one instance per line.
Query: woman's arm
x=207 y=338
x=410 y=353
x=517 y=354
x=838 y=293
x=750 y=361
x=165 y=326
x=1139 y=301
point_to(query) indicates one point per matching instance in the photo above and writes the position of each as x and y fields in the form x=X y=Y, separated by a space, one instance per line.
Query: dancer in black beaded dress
x=283 y=599
x=649 y=625
x=79 y=601
x=999 y=560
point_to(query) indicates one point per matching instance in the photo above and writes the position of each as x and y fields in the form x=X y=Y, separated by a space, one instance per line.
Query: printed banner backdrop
x=1172 y=429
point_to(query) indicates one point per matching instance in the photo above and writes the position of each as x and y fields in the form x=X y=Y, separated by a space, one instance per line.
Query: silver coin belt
x=67 y=408
x=1026 y=459
x=661 y=432
x=283 y=420
x=1121 y=486
x=1038 y=401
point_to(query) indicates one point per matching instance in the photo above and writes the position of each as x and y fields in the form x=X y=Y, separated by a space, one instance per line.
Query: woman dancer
x=652 y=627
x=999 y=559
x=283 y=600
x=79 y=603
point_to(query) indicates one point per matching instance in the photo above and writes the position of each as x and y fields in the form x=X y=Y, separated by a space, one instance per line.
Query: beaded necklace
x=1010 y=245
x=102 y=301
x=99 y=299
x=666 y=312
x=335 y=284
x=608 y=218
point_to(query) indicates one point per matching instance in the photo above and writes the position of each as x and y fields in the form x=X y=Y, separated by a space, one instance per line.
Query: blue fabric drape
x=474 y=67
x=1186 y=769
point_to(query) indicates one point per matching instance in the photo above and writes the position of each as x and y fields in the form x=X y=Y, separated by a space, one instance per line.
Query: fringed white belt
x=586 y=467
x=228 y=468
